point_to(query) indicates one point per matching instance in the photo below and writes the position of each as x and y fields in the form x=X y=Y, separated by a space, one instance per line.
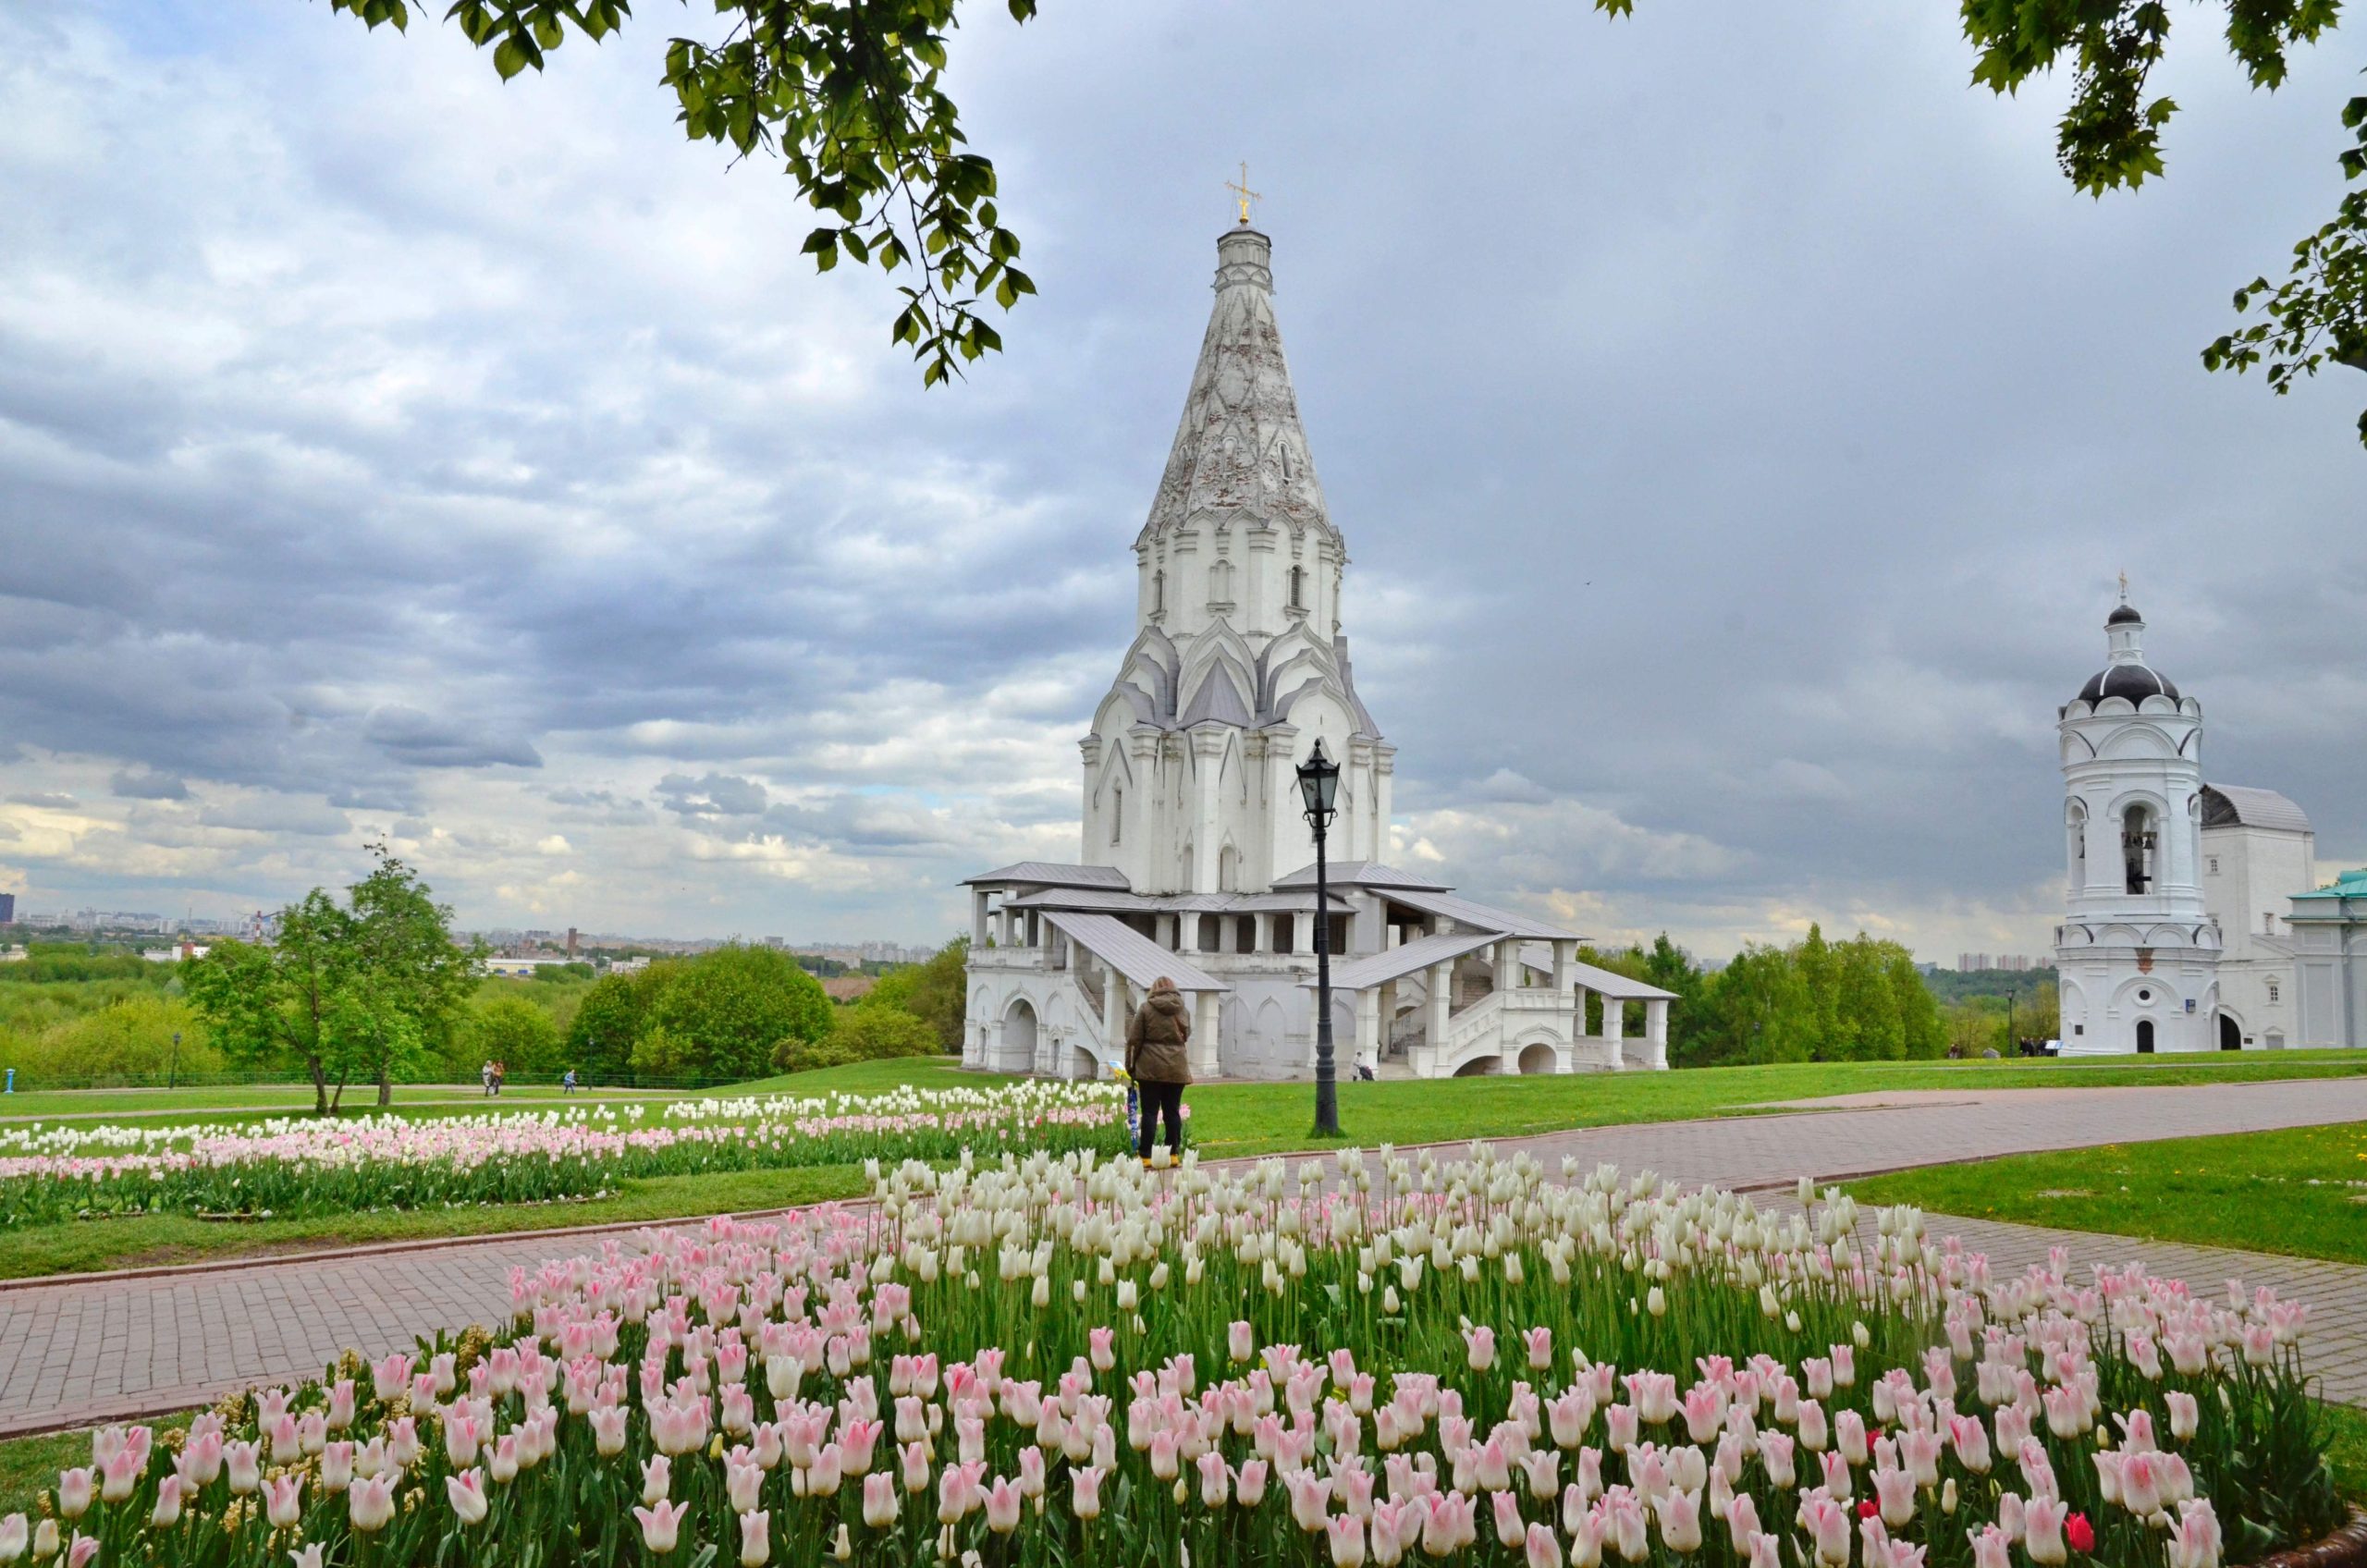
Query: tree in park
x=349 y=993
x=736 y=1013
x=937 y=992
x=851 y=100
x=610 y=1020
x=514 y=1032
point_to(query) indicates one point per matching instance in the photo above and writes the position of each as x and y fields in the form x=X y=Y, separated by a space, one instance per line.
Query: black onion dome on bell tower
x=2133 y=681
x=2128 y=676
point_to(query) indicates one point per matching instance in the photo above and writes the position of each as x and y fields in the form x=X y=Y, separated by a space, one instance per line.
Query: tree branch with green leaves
x=848 y=96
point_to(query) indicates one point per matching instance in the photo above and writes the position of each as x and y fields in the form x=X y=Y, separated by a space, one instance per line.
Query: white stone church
x=1196 y=862
x=2193 y=919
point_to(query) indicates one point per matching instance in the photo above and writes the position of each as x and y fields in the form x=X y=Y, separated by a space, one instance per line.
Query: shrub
x=866 y=1032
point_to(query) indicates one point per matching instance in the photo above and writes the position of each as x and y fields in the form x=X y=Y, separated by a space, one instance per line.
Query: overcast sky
x=1736 y=421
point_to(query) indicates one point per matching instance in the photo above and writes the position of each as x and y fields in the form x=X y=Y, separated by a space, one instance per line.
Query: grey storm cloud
x=1735 y=476
x=409 y=735
x=145 y=784
x=258 y=815
x=49 y=800
x=716 y=794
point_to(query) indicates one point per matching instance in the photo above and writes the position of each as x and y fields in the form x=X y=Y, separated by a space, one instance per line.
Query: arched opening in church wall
x=1229 y=870
x=1474 y=978
x=1539 y=1058
x=1083 y=1063
x=1208 y=933
x=1285 y=932
x=1245 y=933
x=2140 y=843
x=2076 y=829
x=2144 y=1036
x=1019 y=1037
x=2231 y=1034
x=1481 y=1067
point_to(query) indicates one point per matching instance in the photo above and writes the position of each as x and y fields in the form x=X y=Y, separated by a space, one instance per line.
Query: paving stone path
x=73 y=1355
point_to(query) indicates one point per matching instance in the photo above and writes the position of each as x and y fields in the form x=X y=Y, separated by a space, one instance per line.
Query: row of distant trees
x=1856 y=1001
x=374 y=989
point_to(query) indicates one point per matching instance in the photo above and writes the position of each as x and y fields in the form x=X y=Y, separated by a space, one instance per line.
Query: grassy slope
x=2301 y=1192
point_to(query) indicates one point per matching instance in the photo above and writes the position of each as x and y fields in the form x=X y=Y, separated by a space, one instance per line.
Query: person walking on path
x=567 y=1084
x=1157 y=1061
x=485 y=1072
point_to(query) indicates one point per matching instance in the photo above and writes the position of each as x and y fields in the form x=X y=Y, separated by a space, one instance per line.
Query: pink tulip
x=1348 y=1537
x=1479 y=1347
x=15 y=1538
x=1992 y=1548
x=1510 y=1527
x=370 y=1505
x=283 y=1501
x=1087 y=1503
x=167 y=1509
x=755 y=1538
x=2042 y=1520
x=2195 y=1539
x=84 y=1548
x=1680 y=1515
x=1742 y=1522
x=465 y=1491
x=306 y=1556
x=74 y=1490
x=1540 y=1348
x=1895 y=1494
x=656 y=1479
x=916 y=1468
x=1003 y=1506
x=879 y=1500
x=1827 y=1522
x=1249 y=1485
x=1240 y=1342
x=661 y=1525
x=2185 y=1415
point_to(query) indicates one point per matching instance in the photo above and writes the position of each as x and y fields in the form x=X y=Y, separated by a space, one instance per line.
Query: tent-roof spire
x=1239 y=448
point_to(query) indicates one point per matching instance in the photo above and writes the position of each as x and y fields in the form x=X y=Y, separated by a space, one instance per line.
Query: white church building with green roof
x=1197 y=863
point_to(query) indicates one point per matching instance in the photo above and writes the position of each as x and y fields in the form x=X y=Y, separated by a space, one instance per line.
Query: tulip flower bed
x=296 y=1166
x=1057 y=1361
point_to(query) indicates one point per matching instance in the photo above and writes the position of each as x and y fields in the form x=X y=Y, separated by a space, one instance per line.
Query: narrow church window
x=1158 y=592
x=1298 y=588
x=1220 y=583
x=2214 y=865
x=2268 y=924
x=2274 y=993
x=1117 y=814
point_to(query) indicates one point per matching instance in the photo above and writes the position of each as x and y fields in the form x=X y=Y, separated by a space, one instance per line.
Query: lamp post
x=1319 y=787
x=173 y=1068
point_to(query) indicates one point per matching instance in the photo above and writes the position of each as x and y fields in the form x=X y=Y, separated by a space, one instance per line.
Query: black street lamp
x=173 y=1071
x=1318 y=786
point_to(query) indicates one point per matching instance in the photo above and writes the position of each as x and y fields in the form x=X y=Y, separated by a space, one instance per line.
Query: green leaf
x=510 y=57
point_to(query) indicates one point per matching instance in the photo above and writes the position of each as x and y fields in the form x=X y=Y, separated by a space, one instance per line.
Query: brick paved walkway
x=73 y=1355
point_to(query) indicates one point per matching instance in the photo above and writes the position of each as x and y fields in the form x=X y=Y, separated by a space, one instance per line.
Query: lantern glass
x=1319 y=781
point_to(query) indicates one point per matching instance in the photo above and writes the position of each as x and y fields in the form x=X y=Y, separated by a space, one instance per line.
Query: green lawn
x=281 y=1099
x=2301 y=1192
x=154 y=1239
x=1247 y=1119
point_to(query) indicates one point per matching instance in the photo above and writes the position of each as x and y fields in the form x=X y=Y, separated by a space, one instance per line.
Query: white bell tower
x=2137 y=952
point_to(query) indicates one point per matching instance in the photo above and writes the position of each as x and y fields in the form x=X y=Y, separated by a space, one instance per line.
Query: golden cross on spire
x=1241 y=190
x=2124 y=587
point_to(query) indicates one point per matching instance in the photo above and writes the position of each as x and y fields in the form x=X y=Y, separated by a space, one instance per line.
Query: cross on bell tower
x=1240 y=191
